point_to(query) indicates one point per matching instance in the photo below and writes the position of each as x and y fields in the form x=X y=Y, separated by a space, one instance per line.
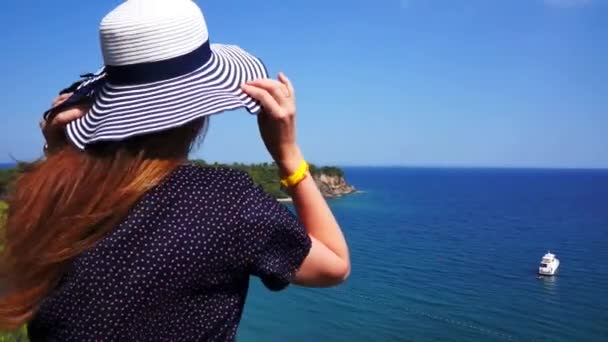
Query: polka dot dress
x=178 y=267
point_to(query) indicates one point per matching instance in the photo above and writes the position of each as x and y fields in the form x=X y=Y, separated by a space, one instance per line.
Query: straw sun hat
x=160 y=72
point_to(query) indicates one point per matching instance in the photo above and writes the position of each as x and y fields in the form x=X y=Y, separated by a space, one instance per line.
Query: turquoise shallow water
x=451 y=255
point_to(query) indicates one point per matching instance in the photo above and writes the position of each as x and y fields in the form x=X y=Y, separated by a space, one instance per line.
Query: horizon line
x=514 y=167
x=414 y=166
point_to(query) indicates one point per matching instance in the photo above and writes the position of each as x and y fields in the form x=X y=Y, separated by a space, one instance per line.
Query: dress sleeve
x=272 y=238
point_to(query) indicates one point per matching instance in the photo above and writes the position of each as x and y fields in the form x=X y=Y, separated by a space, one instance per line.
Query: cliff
x=332 y=186
x=329 y=179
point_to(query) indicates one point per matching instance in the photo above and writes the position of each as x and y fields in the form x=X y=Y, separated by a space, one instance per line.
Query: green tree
x=16 y=336
x=20 y=334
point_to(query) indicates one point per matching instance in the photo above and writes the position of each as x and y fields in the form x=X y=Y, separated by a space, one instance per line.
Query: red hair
x=65 y=204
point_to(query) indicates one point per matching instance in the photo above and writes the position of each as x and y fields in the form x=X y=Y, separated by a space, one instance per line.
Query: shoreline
x=290 y=200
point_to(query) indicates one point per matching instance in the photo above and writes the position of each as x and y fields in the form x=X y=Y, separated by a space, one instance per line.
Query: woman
x=115 y=236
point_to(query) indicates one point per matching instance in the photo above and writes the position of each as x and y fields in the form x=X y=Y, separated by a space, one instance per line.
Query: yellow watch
x=296 y=177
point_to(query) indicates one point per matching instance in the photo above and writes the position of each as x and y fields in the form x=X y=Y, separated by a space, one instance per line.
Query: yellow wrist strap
x=296 y=177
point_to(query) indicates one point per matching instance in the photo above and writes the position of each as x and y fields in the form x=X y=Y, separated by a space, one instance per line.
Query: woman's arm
x=328 y=261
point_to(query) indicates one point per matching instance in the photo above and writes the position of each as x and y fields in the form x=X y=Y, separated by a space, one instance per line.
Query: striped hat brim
x=123 y=111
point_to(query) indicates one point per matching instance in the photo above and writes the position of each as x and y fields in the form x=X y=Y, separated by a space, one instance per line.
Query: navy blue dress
x=178 y=267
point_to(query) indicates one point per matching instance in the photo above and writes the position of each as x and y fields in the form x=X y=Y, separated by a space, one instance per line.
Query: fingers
x=60 y=99
x=277 y=89
x=69 y=115
x=287 y=84
x=277 y=97
x=267 y=101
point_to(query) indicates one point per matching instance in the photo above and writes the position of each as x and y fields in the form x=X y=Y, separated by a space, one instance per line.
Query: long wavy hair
x=63 y=205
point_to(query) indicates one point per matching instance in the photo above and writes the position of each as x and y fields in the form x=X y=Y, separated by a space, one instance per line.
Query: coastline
x=290 y=200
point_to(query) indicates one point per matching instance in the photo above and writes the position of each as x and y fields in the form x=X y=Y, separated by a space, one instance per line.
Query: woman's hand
x=53 y=131
x=277 y=122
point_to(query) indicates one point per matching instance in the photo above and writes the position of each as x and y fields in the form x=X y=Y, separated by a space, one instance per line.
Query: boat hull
x=551 y=268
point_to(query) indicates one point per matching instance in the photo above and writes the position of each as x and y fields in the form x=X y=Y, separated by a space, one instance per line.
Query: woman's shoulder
x=215 y=172
x=202 y=177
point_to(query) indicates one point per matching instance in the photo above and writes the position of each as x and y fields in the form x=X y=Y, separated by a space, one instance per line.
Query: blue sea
x=452 y=255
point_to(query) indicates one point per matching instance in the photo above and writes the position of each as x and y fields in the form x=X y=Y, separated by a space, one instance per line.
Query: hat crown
x=142 y=31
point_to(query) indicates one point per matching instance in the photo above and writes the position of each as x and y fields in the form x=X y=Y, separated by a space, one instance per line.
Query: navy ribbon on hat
x=157 y=71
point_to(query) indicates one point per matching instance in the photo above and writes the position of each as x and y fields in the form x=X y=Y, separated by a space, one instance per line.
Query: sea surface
x=452 y=255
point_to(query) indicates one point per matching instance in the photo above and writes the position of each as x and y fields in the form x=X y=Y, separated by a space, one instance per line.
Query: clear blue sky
x=385 y=82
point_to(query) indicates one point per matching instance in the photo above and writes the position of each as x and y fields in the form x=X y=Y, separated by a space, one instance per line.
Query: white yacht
x=549 y=264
